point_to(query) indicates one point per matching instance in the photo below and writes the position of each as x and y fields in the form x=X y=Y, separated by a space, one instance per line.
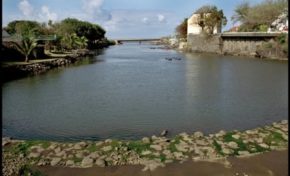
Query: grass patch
x=176 y=140
x=162 y=157
x=274 y=137
x=138 y=146
x=76 y=160
x=92 y=148
x=218 y=147
x=228 y=137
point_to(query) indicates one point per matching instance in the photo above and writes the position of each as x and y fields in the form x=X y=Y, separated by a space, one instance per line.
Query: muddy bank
x=274 y=163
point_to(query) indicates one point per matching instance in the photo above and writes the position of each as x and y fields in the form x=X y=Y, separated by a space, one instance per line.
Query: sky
x=120 y=18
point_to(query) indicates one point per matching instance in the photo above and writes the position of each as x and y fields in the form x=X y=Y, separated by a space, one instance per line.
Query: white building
x=194 y=28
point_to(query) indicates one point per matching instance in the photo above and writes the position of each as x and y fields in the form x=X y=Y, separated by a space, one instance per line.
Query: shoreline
x=149 y=152
x=18 y=70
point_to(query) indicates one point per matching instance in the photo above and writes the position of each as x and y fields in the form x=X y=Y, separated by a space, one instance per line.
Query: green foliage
x=282 y=38
x=27 y=170
x=181 y=29
x=81 y=28
x=263 y=28
x=274 y=137
x=211 y=17
x=23 y=27
x=240 y=12
x=138 y=146
x=218 y=147
x=176 y=140
x=26 y=44
x=260 y=15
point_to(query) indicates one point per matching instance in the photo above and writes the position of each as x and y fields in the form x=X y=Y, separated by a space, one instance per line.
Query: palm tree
x=26 y=45
x=82 y=42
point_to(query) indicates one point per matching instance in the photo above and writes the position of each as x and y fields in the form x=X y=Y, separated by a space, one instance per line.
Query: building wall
x=194 y=28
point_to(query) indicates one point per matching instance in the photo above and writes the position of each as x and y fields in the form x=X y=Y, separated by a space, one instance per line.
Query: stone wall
x=242 y=44
x=204 y=43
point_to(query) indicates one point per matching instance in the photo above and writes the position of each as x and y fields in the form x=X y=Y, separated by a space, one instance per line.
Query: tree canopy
x=23 y=27
x=260 y=16
x=181 y=29
x=210 y=18
x=81 y=28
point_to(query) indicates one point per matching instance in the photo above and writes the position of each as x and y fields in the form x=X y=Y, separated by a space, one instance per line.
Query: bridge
x=136 y=40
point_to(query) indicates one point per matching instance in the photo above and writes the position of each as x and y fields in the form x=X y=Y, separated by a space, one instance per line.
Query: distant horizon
x=120 y=18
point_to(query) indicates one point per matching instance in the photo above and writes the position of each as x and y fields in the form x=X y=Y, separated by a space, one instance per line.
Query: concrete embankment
x=150 y=152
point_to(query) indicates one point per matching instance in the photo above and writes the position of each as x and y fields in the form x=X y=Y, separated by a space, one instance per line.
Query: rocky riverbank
x=151 y=152
x=15 y=71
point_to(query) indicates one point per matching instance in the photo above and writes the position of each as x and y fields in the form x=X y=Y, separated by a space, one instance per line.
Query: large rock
x=146 y=140
x=197 y=134
x=227 y=151
x=33 y=155
x=233 y=145
x=156 y=147
x=87 y=162
x=100 y=162
x=201 y=142
x=264 y=145
x=236 y=136
x=182 y=147
x=55 y=161
x=146 y=152
x=178 y=155
x=107 y=148
x=69 y=163
x=108 y=140
x=94 y=155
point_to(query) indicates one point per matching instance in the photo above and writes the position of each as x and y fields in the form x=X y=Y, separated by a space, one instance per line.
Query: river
x=131 y=90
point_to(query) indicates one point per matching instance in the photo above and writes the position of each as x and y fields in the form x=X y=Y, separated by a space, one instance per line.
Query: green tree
x=181 y=29
x=241 y=12
x=211 y=18
x=23 y=27
x=259 y=16
x=26 y=44
x=82 y=42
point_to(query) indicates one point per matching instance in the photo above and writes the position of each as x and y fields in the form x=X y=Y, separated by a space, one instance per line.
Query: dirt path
x=273 y=163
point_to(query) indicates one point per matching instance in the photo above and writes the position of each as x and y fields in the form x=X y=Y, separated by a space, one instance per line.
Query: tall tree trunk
x=26 y=58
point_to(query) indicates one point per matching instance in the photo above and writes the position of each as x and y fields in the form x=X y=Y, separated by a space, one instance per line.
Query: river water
x=131 y=90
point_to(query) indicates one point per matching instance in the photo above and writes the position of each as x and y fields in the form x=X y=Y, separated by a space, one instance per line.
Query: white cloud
x=161 y=18
x=47 y=14
x=94 y=11
x=90 y=6
x=145 y=20
x=25 y=7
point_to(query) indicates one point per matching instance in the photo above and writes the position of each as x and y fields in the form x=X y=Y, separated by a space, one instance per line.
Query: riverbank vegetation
x=66 y=36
